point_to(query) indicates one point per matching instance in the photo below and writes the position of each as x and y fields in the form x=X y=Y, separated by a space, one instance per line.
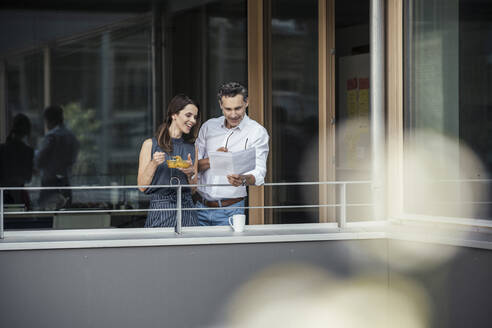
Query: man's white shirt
x=213 y=135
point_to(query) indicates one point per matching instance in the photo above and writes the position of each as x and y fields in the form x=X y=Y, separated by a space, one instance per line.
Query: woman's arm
x=192 y=171
x=146 y=165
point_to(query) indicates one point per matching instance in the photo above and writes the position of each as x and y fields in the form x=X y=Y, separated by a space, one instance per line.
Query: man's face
x=233 y=109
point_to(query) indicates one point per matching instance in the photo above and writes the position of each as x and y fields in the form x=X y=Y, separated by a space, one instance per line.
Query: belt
x=215 y=203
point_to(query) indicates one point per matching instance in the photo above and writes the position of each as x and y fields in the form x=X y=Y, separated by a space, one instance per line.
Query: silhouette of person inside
x=16 y=161
x=55 y=159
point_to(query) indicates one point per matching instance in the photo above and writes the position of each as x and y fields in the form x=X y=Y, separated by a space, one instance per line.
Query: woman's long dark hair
x=162 y=135
x=20 y=128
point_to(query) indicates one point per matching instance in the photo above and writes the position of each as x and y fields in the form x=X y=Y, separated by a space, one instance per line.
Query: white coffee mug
x=238 y=222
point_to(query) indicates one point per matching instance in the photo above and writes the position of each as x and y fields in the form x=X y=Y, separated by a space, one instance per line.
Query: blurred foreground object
x=298 y=295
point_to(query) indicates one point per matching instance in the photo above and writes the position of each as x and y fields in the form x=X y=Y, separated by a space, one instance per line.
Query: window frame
x=399 y=15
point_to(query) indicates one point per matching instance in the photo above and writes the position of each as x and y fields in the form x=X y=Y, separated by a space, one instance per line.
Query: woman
x=16 y=161
x=174 y=137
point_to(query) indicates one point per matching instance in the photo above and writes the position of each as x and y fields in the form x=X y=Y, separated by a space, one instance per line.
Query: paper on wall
x=239 y=162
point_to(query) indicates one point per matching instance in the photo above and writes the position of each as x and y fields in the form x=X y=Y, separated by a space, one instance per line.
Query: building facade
x=419 y=130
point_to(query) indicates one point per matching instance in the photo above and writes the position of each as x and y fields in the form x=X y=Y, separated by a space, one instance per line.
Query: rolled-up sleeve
x=262 y=149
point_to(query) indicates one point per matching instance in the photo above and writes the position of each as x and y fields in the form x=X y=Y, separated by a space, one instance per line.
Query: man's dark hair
x=53 y=116
x=232 y=89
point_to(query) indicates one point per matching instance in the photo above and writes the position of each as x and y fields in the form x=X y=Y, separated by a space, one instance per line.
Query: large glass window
x=25 y=91
x=206 y=45
x=294 y=126
x=98 y=67
x=448 y=78
x=105 y=84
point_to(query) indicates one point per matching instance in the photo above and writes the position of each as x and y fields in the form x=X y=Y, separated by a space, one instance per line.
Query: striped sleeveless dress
x=166 y=198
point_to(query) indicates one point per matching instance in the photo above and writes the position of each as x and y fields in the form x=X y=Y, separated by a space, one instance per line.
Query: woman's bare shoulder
x=147 y=142
x=146 y=145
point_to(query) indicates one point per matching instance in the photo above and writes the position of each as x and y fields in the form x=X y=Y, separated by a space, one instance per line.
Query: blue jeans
x=218 y=217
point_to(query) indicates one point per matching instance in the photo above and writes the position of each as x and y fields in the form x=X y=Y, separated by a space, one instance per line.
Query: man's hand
x=235 y=179
x=224 y=149
x=203 y=164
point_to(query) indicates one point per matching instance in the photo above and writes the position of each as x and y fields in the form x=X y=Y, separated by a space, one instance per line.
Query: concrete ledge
x=60 y=239
x=439 y=233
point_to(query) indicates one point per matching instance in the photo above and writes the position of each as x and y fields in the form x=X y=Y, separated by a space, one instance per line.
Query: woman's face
x=186 y=118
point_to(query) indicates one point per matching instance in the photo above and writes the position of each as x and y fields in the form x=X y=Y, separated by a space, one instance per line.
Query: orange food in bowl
x=183 y=164
x=177 y=162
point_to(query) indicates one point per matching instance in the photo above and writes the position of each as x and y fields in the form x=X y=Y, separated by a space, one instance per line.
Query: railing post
x=179 y=214
x=342 y=222
x=377 y=105
x=1 y=213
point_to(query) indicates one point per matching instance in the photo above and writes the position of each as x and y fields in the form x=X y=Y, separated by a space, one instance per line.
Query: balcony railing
x=342 y=204
x=341 y=185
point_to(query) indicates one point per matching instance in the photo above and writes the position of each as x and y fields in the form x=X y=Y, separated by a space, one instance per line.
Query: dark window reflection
x=207 y=43
x=25 y=90
x=99 y=69
x=447 y=94
x=104 y=82
x=226 y=48
x=294 y=49
x=475 y=80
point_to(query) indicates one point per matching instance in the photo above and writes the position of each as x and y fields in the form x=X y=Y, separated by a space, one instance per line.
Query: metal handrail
x=189 y=185
x=342 y=219
x=178 y=228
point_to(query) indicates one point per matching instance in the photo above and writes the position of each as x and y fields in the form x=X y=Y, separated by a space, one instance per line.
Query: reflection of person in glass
x=16 y=161
x=233 y=131
x=174 y=137
x=55 y=158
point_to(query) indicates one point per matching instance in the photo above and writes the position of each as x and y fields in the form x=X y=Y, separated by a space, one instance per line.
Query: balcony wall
x=189 y=286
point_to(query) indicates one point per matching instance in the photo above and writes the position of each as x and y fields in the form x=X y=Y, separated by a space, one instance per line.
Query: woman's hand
x=189 y=171
x=159 y=157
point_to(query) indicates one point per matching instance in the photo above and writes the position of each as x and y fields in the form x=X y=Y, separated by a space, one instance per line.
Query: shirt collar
x=241 y=125
x=56 y=128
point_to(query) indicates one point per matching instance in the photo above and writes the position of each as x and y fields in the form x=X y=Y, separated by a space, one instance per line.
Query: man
x=234 y=131
x=55 y=158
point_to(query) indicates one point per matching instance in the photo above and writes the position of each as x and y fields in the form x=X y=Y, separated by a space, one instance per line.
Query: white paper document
x=239 y=162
